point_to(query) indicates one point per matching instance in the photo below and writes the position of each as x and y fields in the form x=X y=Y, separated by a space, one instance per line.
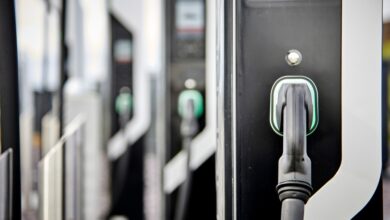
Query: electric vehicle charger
x=123 y=106
x=294 y=115
x=190 y=108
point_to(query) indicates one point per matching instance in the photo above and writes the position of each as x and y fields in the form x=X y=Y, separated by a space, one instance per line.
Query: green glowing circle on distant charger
x=197 y=98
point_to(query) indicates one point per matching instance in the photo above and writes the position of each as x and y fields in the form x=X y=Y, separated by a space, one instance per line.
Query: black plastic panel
x=186 y=60
x=9 y=97
x=128 y=184
x=265 y=31
x=264 y=35
x=122 y=66
x=128 y=170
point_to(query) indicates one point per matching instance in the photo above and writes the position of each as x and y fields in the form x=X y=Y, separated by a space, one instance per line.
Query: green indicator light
x=197 y=98
x=123 y=103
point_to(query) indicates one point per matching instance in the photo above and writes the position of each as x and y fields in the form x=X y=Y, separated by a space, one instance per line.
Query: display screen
x=189 y=29
x=190 y=19
x=123 y=51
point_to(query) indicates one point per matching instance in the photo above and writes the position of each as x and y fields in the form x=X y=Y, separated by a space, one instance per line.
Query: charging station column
x=127 y=170
x=9 y=99
x=261 y=41
x=189 y=188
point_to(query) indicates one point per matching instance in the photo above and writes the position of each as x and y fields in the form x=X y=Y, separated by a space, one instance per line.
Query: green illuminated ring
x=196 y=96
x=274 y=98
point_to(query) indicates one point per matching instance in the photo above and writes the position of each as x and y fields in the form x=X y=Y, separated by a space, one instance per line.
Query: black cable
x=121 y=169
x=189 y=127
x=185 y=189
x=121 y=172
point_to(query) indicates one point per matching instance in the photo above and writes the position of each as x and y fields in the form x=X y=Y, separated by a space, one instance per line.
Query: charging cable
x=190 y=108
x=294 y=115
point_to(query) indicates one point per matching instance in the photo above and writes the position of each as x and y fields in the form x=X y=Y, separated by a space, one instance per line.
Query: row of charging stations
x=284 y=116
x=65 y=170
x=74 y=175
x=174 y=166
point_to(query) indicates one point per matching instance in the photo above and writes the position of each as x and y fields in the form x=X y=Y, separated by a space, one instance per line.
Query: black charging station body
x=185 y=33
x=257 y=36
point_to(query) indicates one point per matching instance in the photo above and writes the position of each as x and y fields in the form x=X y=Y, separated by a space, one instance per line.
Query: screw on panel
x=293 y=57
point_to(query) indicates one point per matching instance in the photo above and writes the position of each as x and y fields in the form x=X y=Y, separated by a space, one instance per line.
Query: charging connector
x=124 y=105
x=294 y=115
